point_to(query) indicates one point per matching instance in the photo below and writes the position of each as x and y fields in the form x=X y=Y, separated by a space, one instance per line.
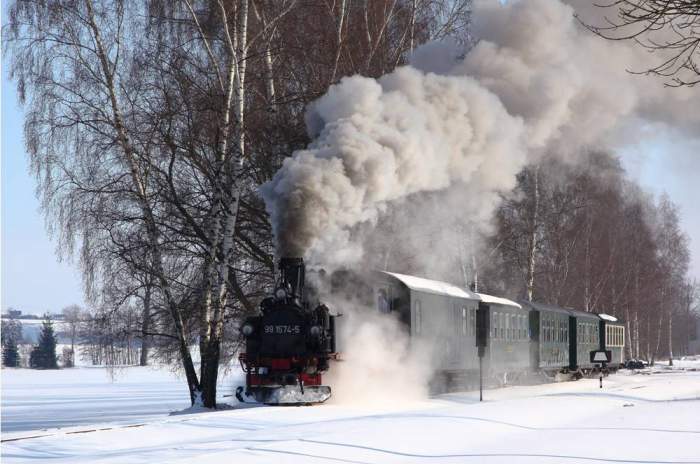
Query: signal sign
x=601 y=356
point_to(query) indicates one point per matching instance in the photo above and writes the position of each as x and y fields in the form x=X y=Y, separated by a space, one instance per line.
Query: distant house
x=14 y=313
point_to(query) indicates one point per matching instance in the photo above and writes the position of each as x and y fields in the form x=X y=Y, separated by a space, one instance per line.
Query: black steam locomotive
x=289 y=345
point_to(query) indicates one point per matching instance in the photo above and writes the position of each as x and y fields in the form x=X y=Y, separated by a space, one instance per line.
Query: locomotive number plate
x=282 y=329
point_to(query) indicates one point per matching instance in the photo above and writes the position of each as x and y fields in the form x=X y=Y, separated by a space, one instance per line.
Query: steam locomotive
x=289 y=345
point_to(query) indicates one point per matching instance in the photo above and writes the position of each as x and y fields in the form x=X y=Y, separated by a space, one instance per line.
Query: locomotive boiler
x=288 y=345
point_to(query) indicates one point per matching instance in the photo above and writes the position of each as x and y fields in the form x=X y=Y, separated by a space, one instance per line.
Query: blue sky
x=33 y=280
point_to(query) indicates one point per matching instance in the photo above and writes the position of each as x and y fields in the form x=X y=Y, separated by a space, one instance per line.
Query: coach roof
x=497 y=300
x=432 y=286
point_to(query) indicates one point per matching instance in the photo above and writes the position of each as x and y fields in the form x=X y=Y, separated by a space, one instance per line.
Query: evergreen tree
x=43 y=355
x=10 y=354
x=11 y=334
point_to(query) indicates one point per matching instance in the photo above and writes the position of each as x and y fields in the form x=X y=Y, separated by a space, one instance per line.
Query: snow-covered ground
x=41 y=399
x=653 y=416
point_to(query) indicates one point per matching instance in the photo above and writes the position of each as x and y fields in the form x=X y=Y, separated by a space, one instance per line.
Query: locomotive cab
x=288 y=345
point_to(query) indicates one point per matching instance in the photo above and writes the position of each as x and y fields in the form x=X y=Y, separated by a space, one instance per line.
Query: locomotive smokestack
x=292 y=273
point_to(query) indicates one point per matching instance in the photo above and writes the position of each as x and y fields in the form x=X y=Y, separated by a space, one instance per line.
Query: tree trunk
x=670 y=337
x=209 y=372
x=145 y=326
x=657 y=346
x=338 y=39
x=629 y=339
x=532 y=245
x=636 y=335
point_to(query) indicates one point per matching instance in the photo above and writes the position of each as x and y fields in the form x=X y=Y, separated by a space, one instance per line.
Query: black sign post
x=602 y=357
x=482 y=336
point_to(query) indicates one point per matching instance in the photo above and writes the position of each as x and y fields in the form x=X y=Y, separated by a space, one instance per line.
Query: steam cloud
x=536 y=81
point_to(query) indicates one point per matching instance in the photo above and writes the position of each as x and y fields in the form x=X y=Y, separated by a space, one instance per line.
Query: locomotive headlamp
x=315 y=330
x=247 y=329
x=280 y=293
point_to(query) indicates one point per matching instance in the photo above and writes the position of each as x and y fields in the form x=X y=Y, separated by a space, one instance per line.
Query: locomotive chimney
x=292 y=271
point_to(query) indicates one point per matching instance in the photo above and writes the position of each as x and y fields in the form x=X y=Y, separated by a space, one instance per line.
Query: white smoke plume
x=380 y=366
x=381 y=141
x=536 y=81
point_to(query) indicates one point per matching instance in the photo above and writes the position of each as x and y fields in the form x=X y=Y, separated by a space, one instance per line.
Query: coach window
x=472 y=321
x=558 y=331
x=419 y=317
x=502 y=318
x=562 y=333
x=498 y=325
x=544 y=330
x=464 y=321
x=560 y=328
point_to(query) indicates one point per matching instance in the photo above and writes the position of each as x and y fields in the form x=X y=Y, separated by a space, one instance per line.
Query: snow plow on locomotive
x=288 y=345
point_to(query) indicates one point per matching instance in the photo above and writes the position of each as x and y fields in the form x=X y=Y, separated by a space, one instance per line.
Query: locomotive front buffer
x=288 y=345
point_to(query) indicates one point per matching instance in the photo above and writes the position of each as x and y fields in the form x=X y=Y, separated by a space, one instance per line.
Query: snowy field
x=36 y=400
x=652 y=416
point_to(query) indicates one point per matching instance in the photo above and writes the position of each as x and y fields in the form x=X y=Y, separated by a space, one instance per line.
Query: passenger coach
x=523 y=337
